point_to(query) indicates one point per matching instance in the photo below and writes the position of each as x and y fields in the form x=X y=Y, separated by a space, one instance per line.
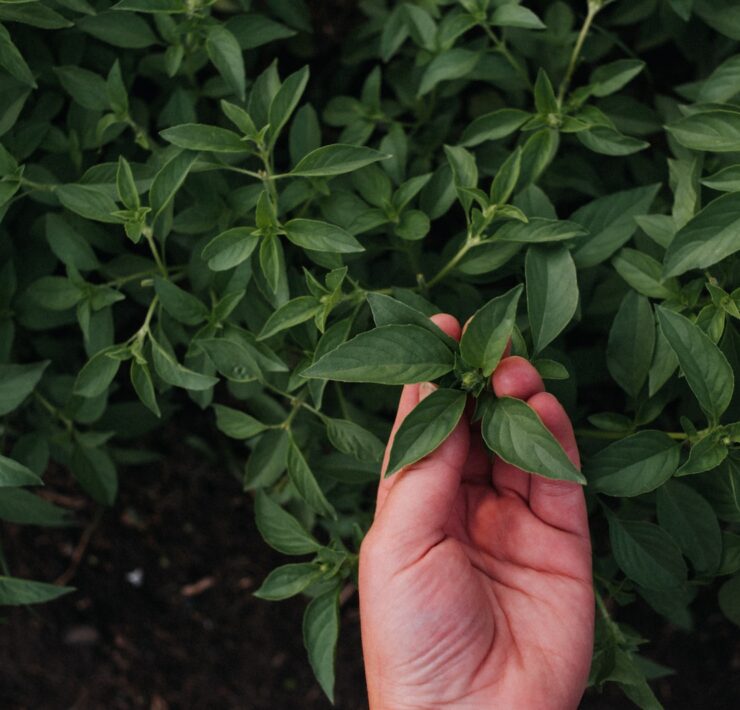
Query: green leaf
x=236 y=424
x=544 y=95
x=351 y=438
x=321 y=236
x=714 y=131
x=173 y=373
x=126 y=185
x=181 y=305
x=12 y=60
x=25 y=508
x=13 y=473
x=426 y=427
x=709 y=237
x=87 y=88
x=493 y=126
x=88 y=201
x=646 y=554
x=320 y=634
x=391 y=355
x=153 y=6
x=726 y=180
x=464 y=170
x=285 y=101
x=506 y=178
x=511 y=15
x=335 y=160
x=14 y=591
x=705 y=454
x=272 y=261
x=305 y=482
x=55 y=293
x=488 y=332
x=95 y=472
x=290 y=314
x=608 y=141
x=644 y=274
x=629 y=351
x=232 y=359
x=197 y=136
x=453 y=64
x=17 y=382
x=552 y=292
x=141 y=381
x=610 y=222
x=121 y=29
x=722 y=84
x=305 y=133
x=691 y=522
x=538 y=230
x=610 y=78
x=634 y=465
x=268 y=461
x=288 y=580
x=514 y=431
x=226 y=55
x=390 y=311
x=704 y=365
x=97 y=374
x=280 y=529
x=168 y=181
x=230 y=248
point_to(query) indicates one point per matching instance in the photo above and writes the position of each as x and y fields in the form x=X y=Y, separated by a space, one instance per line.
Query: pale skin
x=475 y=577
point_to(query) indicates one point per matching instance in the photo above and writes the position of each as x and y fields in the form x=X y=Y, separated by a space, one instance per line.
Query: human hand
x=475 y=580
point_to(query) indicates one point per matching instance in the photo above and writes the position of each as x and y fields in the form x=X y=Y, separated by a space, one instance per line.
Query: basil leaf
x=17 y=382
x=390 y=355
x=709 y=237
x=321 y=236
x=280 y=529
x=426 y=427
x=16 y=591
x=320 y=634
x=634 y=465
x=13 y=473
x=288 y=580
x=552 y=292
x=197 y=136
x=335 y=160
x=351 y=438
x=629 y=351
x=646 y=554
x=305 y=482
x=691 y=522
x=488 y=332
x=514 y=431
x=706 y=368
x=539 y=230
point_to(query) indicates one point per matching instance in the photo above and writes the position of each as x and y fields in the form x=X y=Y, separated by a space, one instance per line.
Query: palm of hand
x=493 y=607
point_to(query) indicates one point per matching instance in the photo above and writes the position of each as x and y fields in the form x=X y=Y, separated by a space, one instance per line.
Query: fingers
x=410 y=397
x=560 y=504
x=514 y=377
x=422 y=497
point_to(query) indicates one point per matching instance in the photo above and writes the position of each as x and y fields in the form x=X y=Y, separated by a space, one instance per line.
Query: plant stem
x=593 y=8
x=502 y=49
x=149 y=236
x=54 y=411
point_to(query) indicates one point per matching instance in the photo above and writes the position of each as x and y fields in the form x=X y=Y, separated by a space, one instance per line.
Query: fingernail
x=425 y=389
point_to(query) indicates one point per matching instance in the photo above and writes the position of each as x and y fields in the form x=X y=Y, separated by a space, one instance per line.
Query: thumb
x=423 y=495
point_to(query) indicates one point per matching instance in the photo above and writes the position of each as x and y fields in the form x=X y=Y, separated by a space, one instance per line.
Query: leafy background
x=177 y=247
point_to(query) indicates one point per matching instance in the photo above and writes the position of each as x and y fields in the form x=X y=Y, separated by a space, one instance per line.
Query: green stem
x=469 y=243
x=149 y=236
x=615 y=435
x=502 y=49
x=54 y=411
x=593 y=9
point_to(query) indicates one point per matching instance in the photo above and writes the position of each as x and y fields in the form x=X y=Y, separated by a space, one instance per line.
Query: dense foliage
x=245 y=210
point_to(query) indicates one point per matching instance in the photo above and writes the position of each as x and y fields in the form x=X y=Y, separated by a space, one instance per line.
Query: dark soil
x=164 y=616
